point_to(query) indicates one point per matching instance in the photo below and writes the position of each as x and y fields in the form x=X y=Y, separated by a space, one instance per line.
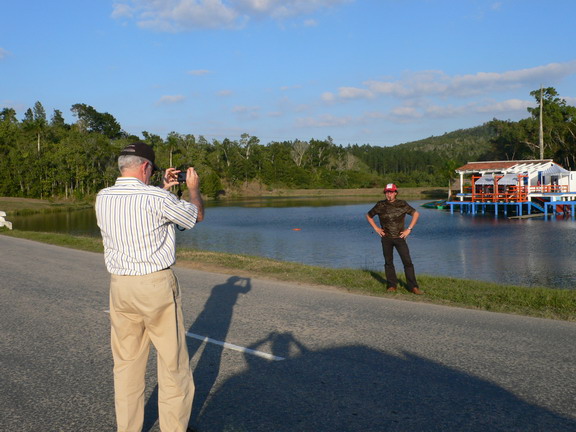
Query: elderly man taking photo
x=137 y=222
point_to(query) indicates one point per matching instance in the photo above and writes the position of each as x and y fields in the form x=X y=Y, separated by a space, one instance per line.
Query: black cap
x=140 y=149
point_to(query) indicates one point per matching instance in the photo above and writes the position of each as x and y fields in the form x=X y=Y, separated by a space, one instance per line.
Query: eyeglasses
x=152 y=170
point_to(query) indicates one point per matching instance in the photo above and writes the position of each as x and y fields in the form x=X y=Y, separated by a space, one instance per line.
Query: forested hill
x=473 y=143
x=429 y=161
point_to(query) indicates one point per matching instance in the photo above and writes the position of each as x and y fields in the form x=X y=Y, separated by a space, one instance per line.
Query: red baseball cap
x=390 y=187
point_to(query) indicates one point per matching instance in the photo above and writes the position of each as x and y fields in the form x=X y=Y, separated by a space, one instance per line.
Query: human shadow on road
x=213 y=322
x=357 y=388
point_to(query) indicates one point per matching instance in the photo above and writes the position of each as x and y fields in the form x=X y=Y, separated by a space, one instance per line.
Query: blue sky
x=378 y=72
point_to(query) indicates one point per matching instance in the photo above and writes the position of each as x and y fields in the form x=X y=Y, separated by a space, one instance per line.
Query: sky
x=377 y=72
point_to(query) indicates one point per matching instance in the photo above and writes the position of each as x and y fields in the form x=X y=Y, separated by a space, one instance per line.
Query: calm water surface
x=527 y=252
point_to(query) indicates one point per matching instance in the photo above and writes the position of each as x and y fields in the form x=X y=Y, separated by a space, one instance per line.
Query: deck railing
x=549 y=189
x=504 y=194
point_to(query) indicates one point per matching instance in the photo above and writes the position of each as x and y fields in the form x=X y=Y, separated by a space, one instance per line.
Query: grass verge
x=27 y=206
x=530 y=301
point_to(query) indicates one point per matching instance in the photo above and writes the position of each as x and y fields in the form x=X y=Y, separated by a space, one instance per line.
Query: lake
x=529 y=252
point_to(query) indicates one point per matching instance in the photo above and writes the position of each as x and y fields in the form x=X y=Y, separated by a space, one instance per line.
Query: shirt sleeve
x=180 y=212
x=374 y=210
x=409 y=209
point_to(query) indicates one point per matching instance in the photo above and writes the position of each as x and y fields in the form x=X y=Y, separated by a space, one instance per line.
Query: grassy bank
x=536 y=302
x=411 y=192
x=26 y=206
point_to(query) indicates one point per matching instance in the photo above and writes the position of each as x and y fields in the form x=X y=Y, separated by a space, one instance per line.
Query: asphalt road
x=342 y=362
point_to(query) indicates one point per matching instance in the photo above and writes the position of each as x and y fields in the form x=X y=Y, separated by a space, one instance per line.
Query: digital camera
x=182 y=177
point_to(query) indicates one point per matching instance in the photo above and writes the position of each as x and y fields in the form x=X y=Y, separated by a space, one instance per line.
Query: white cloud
x=283 y=8
x=292 y=87
x=413 y=85
x=3 y=53
x=183 y=15
x=506 y=106
x=170 y=99
x=411 y=112
x=121 y=10
x=326 y=120
x=224 y=93
x=354 y=93
x=483 y=82
x=199 y=72
x=406 y=112
x=449 y=111
x=328 y=97
x=247 y=112
x=439 y=84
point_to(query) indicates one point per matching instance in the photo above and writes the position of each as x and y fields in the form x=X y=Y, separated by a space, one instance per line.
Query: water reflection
x=524 y=251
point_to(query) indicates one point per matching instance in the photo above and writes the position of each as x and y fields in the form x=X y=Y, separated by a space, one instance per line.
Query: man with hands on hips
x=391 y=213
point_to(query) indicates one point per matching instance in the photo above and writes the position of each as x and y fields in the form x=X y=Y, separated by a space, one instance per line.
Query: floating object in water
x=440 y=204
x=296 y=229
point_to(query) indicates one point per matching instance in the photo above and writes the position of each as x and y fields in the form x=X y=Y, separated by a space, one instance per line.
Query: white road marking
x=231 y=346
x=235 y=347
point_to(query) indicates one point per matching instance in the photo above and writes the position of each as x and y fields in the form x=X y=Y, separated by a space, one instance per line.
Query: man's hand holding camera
x=173 y=177
x=170 y=178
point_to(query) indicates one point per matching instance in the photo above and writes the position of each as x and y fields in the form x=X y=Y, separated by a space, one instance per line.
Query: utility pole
x=541 y=131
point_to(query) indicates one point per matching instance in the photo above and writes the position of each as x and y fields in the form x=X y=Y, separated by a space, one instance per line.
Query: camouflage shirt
x=391 y=215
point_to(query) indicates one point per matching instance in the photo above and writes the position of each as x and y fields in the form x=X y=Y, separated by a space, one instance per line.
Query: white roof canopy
x=555 y=170
x=509 y=179
x=486 y=179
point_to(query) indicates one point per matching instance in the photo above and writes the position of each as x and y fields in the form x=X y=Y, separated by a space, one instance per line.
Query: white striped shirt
x=137 y=225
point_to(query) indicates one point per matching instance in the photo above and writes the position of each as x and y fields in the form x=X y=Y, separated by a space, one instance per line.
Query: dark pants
x=388 y=245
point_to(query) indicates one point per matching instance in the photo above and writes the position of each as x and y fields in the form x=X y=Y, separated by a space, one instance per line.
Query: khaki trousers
x=146 y=309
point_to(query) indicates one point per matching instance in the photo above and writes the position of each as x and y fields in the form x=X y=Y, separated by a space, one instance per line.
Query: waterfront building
x=523 y=188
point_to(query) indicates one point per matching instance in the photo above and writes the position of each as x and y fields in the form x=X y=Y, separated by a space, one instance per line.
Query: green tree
x=90 y=120
x=511 y=140
x=559 y=125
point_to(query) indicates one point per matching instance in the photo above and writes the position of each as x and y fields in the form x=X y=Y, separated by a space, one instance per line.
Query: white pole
x=541 y=132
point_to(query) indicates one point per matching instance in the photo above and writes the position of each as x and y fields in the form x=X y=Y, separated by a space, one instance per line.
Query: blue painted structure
x=496 y=208
x=570 y=205
x=548 y=208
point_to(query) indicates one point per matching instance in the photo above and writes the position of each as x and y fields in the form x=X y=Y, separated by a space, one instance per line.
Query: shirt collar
x=129 y=181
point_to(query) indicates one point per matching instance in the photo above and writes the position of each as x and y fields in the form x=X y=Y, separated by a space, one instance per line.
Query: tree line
x=41 y=157
x=45 y=157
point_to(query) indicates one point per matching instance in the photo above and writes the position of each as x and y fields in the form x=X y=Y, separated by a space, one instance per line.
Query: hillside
x=429 y=161
x=469 y=144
